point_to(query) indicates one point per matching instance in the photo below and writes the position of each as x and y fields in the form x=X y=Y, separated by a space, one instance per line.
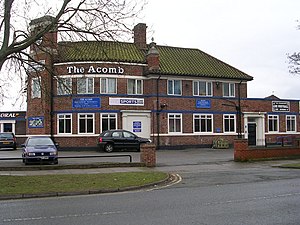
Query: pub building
x=179 y=97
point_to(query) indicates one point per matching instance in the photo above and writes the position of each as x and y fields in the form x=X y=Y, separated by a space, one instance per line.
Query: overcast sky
x=252 y=35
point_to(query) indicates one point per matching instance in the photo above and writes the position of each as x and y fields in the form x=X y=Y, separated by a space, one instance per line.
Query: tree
x=294 y=61
x=74 y=19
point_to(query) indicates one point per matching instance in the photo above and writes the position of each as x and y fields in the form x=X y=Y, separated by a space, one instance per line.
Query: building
x=179 y=97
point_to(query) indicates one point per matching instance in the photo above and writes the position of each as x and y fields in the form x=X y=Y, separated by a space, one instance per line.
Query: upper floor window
x=64 y=86
x=291 y=123
x=203 y=123
x=135 y=87
x=228 y=89
x=202 y=88
x=229 y=123
x=273 y=123
x=174 y=87
x=108 y=86
x=85 y=85
x=36 y=87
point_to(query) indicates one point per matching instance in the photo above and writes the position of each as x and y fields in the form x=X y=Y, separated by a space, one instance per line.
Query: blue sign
x=203 y=104
x=137 y=126
x=36 y=122
x=86 y=103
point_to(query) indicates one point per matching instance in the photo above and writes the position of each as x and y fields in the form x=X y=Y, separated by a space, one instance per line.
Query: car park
x=111 y=140
x=8 y=140
x=37 y=149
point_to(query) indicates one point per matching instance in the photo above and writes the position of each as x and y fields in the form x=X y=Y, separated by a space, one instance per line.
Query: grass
x=14 y=185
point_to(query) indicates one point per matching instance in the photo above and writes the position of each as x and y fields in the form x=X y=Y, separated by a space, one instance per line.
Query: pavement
x=174 y=162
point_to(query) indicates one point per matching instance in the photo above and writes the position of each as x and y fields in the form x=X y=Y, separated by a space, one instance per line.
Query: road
x=211 y=192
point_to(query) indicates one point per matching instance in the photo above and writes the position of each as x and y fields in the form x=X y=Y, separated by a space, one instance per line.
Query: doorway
x=252 y=133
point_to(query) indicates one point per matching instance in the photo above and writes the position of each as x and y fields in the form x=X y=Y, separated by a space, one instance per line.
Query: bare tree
x=294 y=63
x=74 y=19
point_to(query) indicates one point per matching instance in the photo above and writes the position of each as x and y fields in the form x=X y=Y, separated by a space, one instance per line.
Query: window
x=64 y=86
x=203 y=123
x=228 y=89
x=229 y=123
x=174 y=87
x=273 y=123
x=291 y=123
x=64 y=123
x=108 y=121
x=202 y=88
x=135 y=87
x=36 y=88
x=174 y=123
x=86 y=123
x=108 y=85
x=85 y=85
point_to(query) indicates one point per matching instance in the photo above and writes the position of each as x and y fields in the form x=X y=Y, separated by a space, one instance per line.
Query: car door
x=118 y=139
x=131 y=140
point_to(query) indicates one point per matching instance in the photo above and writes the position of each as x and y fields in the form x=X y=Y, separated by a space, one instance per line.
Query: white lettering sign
x=126 y=101
x=280 y=106
x=95 y=69
x=7 y=115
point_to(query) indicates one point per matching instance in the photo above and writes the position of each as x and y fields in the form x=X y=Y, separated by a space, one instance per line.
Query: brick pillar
x=240 y=149
x=148 y=154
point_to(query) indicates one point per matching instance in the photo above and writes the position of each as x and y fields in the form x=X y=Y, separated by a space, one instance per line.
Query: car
x=8 y=140
x=111 y=140
x=37 y=149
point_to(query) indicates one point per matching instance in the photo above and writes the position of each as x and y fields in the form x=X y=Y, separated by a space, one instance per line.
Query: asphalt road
x=213 y=190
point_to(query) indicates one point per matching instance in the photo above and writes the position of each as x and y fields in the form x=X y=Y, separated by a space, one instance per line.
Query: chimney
x=139 y=32
x=153 y=58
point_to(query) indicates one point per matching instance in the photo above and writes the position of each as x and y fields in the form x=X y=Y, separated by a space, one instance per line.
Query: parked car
x=39 y=149
x=8 y=140
x=111 y=140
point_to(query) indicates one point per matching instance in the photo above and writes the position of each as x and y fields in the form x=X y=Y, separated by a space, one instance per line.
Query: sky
x=253 y=36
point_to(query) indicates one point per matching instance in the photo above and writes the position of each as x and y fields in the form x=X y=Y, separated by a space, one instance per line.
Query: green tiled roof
x=173 y=60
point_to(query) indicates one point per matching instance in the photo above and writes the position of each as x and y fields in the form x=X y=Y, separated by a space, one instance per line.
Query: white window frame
x=110 y=116
x=273 y=118
x=293 y=119
x=36 y=84
x=64 y=86
x=200 y=116
x=175 y=116
x=171 y=87
x=208 y=87
x=64 y=117
x=137 y=87
x=89 y=82
x=87 y=116
x=231 y=89
x=105 y=85
x=229 y=117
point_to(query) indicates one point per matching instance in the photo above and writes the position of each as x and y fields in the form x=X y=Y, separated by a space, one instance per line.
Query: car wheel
x=108 y=148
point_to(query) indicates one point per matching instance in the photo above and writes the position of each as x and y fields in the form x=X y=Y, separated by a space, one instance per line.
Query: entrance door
x=251 y=133
x=137 y=122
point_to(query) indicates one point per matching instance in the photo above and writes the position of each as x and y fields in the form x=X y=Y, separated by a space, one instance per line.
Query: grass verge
x=19 y=185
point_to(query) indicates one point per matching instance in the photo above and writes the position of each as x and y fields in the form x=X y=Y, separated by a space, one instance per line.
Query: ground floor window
x=108 y=121
x=175 y=123
x=273 y=123
x=229 y=123
x=64 y=123
x=203 y=123
x=86 y=123
x=291 y=123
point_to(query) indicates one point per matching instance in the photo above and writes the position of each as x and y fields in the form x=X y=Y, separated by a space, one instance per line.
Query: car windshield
x=39 y=141
x=6 y=136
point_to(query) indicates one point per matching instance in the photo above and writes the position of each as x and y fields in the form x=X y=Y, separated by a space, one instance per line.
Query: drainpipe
x=157 y=113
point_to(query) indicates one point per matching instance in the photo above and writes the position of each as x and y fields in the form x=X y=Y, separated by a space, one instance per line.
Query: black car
x=8 y=140
x=39 y=149
x=111 y=140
